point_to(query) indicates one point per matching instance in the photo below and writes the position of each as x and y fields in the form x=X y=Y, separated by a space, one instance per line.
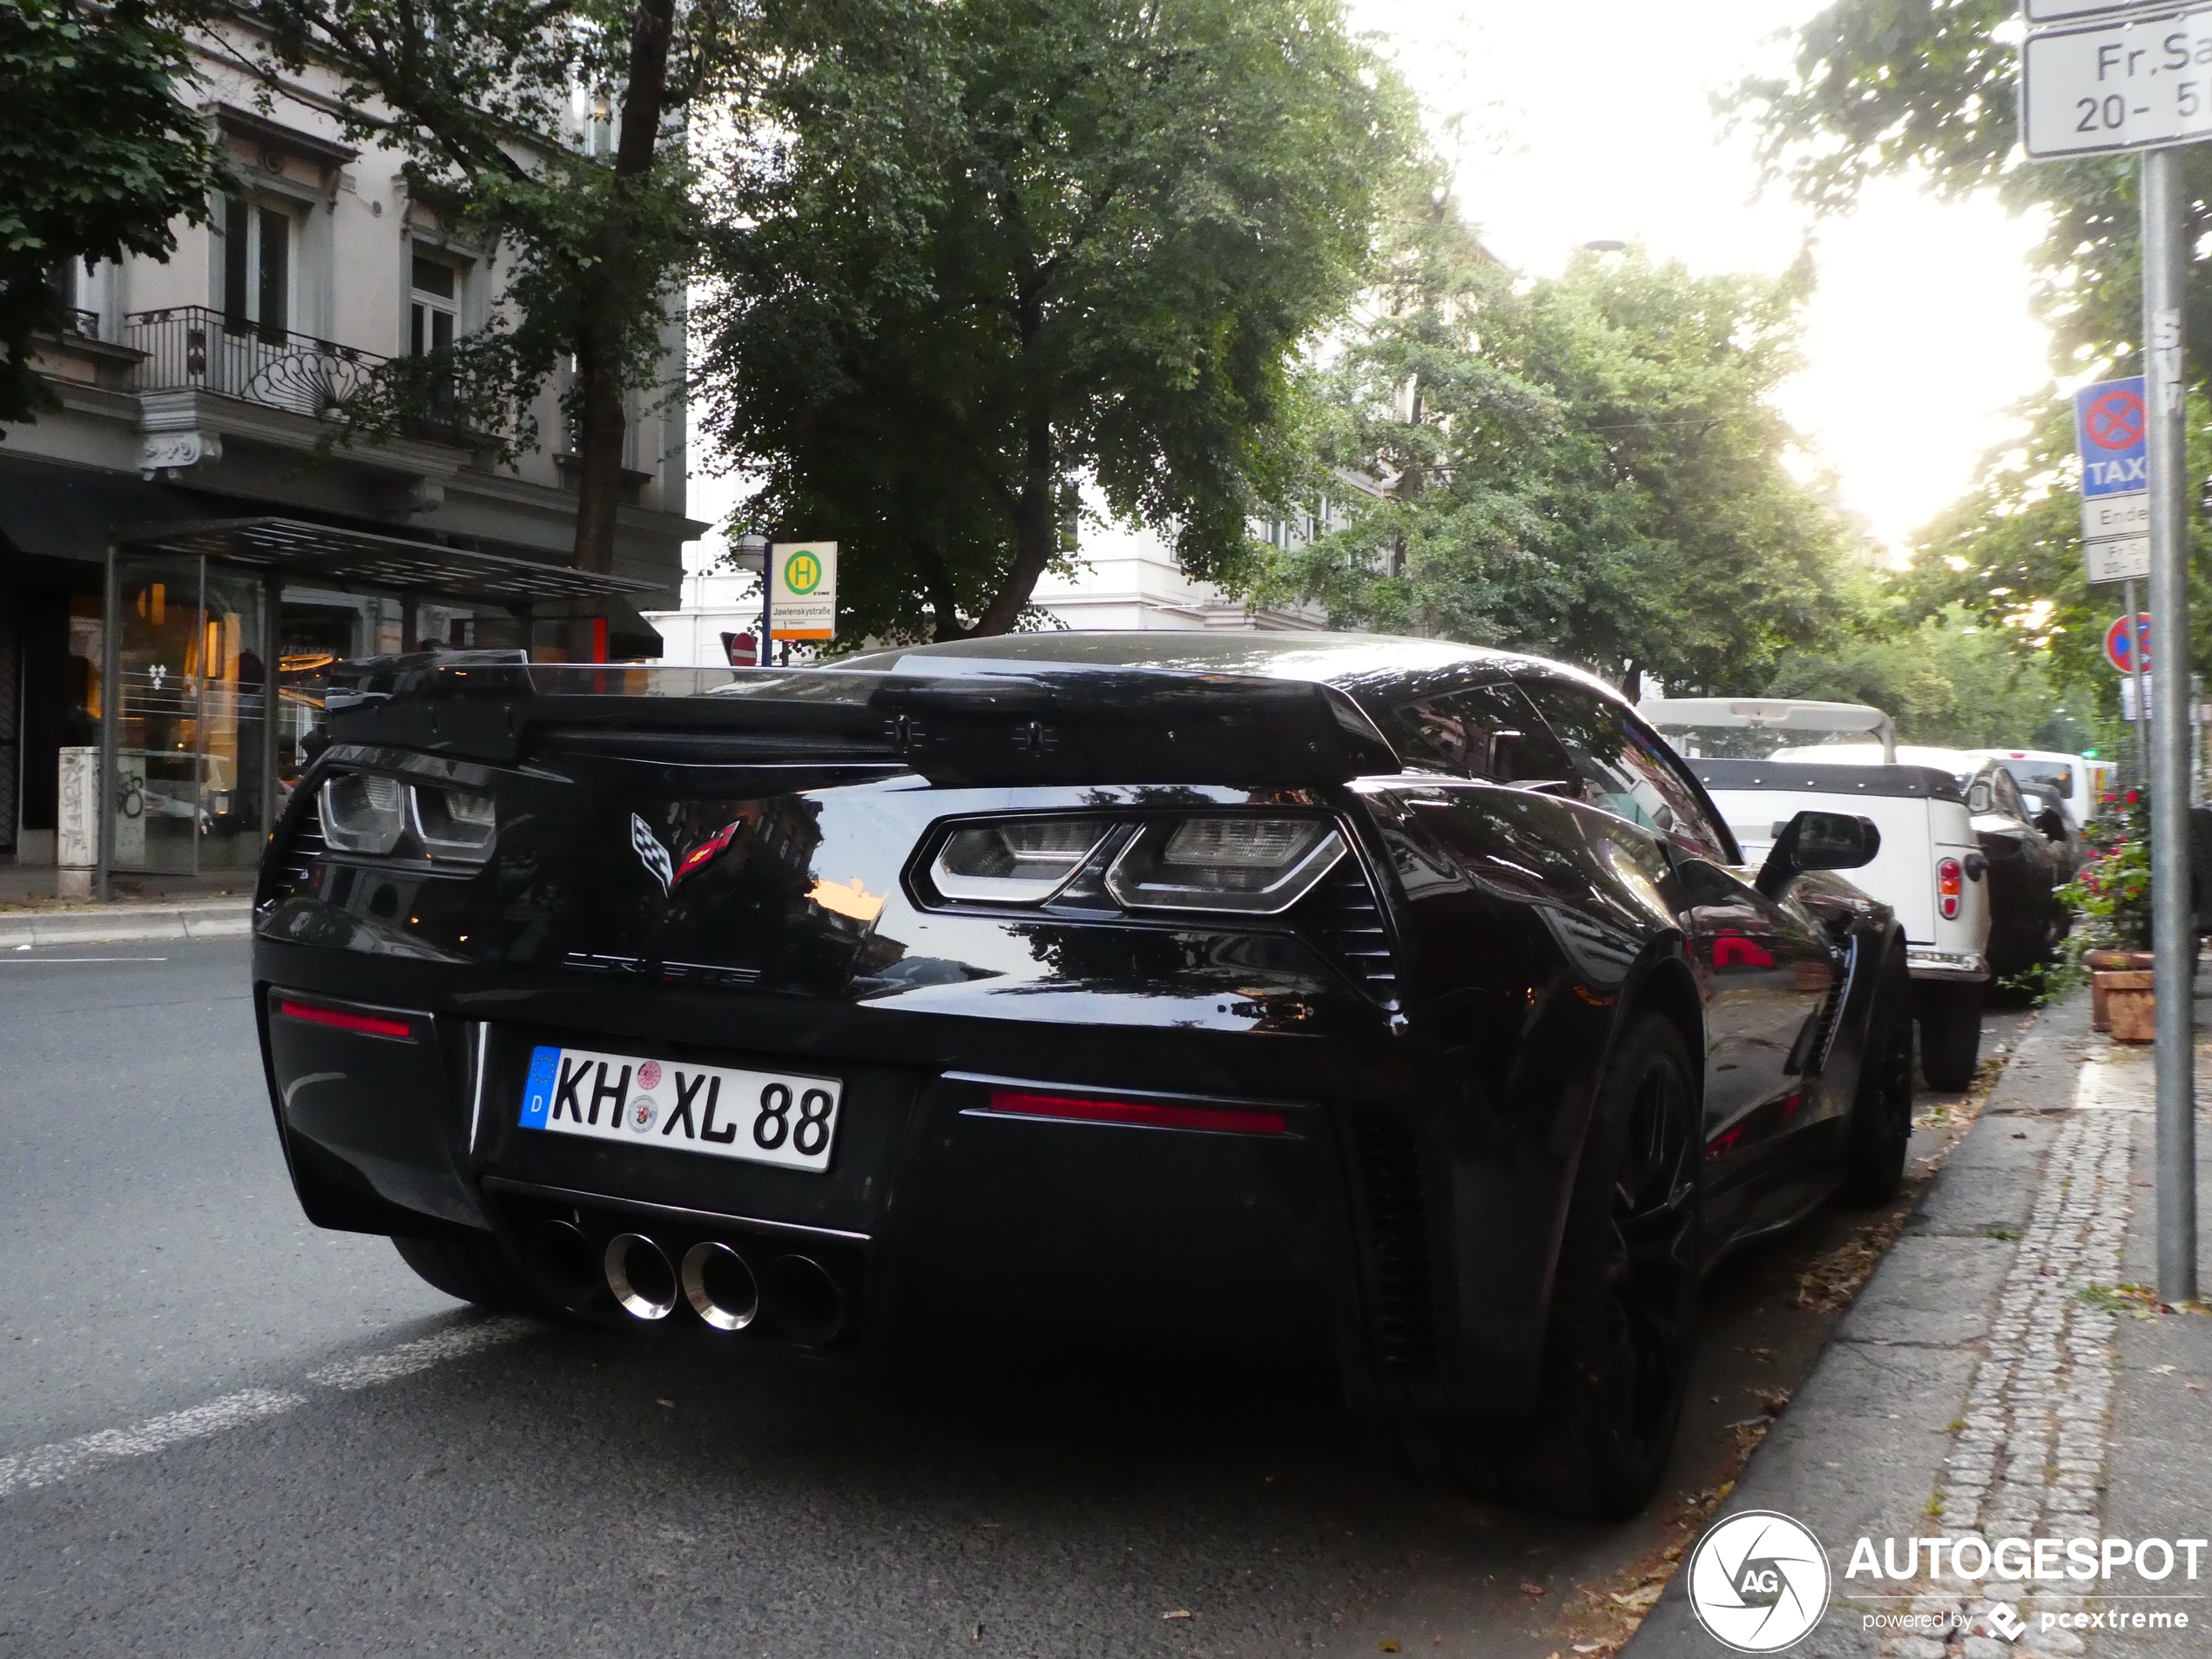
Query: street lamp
x=749 y=552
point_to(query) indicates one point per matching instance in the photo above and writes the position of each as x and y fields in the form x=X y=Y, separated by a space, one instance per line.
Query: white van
x=1930 y=869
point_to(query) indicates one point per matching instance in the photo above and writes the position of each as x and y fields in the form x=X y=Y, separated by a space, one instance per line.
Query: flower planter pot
x=2102 y=964
x=2130 y=1006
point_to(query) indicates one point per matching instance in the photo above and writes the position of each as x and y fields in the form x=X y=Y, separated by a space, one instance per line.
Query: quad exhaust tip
x=569 y=1259
x=806 y=1303
x=720 y=1287
x=640 y=1275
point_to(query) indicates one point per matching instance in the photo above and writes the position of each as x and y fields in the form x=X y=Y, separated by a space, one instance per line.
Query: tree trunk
x=1037 y=533
x=601 y=420
x=1037 y=527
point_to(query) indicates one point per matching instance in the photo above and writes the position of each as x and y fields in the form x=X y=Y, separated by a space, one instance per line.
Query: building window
x=434 y=306
x=257 y=268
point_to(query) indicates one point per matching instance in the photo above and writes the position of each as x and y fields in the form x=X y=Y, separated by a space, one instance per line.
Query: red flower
x=2131 y=797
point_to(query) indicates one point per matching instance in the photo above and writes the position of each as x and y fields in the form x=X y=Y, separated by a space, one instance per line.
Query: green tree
x=1952 y=681
x=98 y=158
x=481 y=95
x=2009 y=555
x=1018 y=245
x=1589 y=466
x=1902 y=87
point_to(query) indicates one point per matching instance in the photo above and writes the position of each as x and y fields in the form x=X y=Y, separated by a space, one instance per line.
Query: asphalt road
x=224 y=1432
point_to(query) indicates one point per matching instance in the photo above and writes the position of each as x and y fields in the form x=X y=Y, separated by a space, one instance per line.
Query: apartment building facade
x=182 y=544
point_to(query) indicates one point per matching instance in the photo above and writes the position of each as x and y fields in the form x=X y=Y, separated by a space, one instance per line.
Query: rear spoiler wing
x=1773 y=714
x=1044 y=725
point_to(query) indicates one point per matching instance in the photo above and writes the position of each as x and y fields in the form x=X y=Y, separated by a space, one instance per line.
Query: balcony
x=197 y=349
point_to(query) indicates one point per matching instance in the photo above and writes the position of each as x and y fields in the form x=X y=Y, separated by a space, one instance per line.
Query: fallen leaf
x=1590 y=1646
x=2161 y=1370
x=664 y=1402
x=1532 y=1589
x=1180 y=1613
x=1636 y=1599
x=1386 y=1646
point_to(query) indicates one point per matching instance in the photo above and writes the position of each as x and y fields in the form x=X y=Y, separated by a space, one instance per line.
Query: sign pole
x=2135 y=672
x=2172 y=924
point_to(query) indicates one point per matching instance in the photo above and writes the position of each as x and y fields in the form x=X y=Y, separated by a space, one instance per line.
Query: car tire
x=1881 y=1117
x=469 y=1268
x=1624 y=1299
x=1950 y=1017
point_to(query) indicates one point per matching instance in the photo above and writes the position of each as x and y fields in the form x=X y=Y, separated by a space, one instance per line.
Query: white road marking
x=65 y=1460
x=47 y=961
x=411 y=1356
x=45 y=1465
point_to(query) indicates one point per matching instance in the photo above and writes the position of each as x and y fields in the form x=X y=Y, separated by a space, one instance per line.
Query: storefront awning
x=428 y=570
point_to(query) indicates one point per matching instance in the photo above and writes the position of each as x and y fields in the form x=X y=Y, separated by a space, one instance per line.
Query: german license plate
x=761 y=1116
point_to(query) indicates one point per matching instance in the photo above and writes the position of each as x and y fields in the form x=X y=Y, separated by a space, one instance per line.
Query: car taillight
x=1220 y=1120
x=1253 y=865
x=363 y=812
x=366 y=1025
x=1951 y=887
x=375 y=815
x=1018 y=860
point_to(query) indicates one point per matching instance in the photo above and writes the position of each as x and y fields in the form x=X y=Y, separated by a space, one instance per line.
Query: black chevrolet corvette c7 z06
x=1384 y=1000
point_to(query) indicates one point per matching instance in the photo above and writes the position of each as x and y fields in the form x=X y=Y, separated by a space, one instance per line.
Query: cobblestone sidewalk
x=2001 y=1377
x=2028 y=1458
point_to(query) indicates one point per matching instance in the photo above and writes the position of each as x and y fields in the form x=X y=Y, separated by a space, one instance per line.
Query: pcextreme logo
x=1758 y=1581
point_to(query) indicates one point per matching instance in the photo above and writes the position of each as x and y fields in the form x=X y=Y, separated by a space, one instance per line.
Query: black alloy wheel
x=1624 y=1305
x=1881 y=1117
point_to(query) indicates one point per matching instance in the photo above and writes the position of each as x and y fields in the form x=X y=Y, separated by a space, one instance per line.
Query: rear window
x=2041 y=774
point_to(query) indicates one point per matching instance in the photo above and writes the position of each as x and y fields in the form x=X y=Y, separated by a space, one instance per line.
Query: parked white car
x=2078 y=781
x=1930 y=869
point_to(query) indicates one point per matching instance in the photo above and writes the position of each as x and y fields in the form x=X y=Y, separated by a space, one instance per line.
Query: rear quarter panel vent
x=1395 y=1224
x=1345 y=920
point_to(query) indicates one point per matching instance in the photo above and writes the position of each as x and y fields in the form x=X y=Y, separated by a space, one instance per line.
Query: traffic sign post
x=2141 y=81
x=2110 y=433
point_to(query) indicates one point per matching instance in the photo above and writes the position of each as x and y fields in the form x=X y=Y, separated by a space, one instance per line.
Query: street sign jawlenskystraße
x=2131 y=82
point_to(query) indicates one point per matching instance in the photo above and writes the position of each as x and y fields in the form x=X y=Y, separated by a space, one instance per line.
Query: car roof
x=2032 y=754
x=1960 y=763
x=1351 y=662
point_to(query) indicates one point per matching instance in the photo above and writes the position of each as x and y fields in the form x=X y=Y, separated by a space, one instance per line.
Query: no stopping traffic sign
x=2120 y=646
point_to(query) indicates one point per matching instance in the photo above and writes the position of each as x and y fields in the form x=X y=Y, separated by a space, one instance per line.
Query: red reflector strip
x=368 y=1025
x=1150 y=1114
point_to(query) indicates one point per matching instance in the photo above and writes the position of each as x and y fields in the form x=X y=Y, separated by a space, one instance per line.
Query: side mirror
x=1818 y=841
x=2052 y=823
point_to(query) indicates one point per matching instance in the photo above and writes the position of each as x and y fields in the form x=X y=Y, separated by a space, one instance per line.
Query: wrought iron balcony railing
x=84 y=323
x=198 y=348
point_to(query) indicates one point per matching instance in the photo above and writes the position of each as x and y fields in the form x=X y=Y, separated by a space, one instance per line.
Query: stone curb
x=127 y=924
x=1863 y=1444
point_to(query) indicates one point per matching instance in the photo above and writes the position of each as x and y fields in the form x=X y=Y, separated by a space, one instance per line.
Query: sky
x=1594 y=122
